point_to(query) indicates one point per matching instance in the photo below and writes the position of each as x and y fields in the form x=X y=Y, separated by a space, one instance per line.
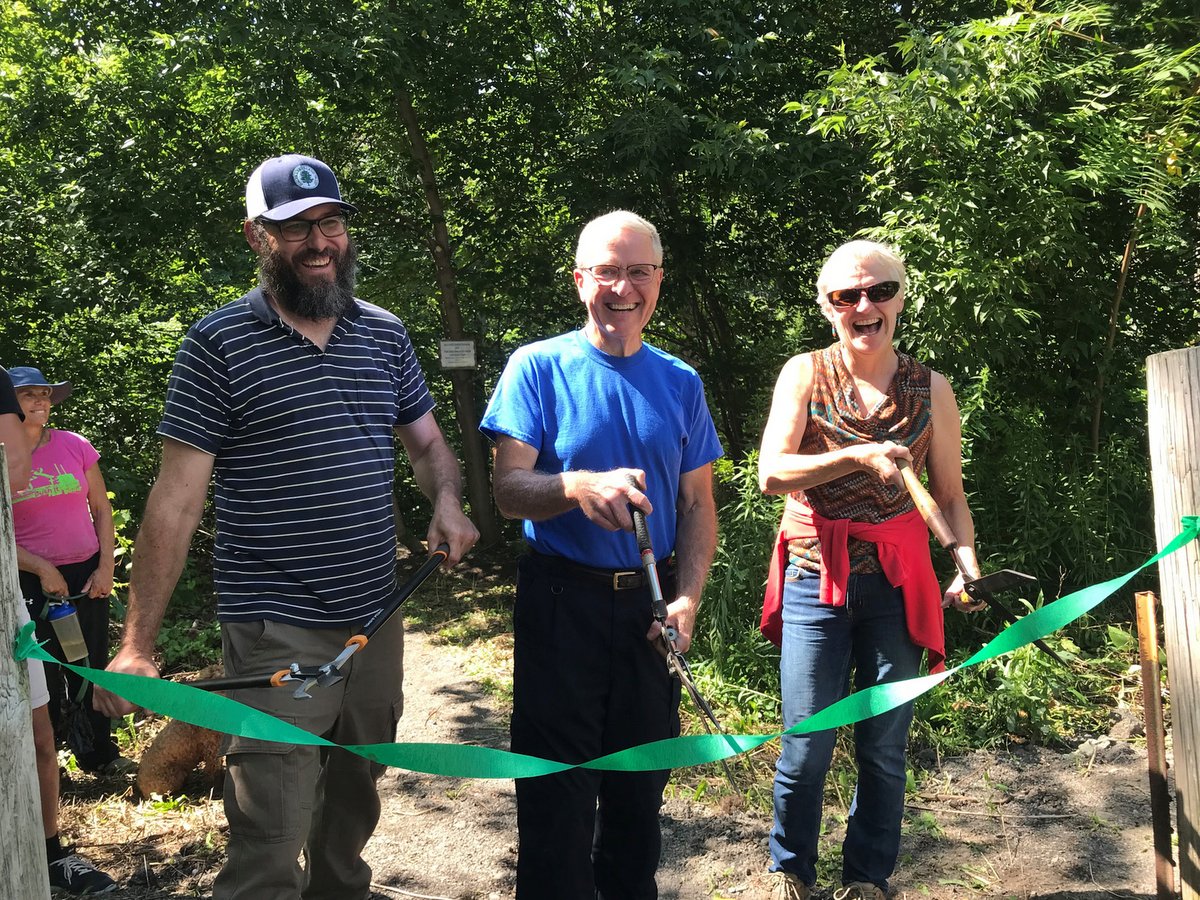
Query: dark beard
x=326 y=300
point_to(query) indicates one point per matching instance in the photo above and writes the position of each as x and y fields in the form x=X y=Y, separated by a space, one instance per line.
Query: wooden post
x=23 y=870
x=1156 y=751
x=1173 y=382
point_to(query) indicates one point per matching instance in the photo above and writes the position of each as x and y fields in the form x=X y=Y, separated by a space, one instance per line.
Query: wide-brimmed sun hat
x=28 y=376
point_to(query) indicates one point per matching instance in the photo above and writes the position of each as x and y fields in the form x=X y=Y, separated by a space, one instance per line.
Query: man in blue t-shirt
x=290 y=399
x=573 y=418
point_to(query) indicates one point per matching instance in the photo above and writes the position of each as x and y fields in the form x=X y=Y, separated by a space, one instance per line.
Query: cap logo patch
x=305 y=176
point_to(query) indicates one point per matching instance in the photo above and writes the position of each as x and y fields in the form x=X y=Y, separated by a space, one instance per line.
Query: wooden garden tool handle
x=932 y=514
x=927 y=506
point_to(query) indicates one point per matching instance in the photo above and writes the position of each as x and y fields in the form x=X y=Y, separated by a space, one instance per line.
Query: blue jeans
x=821 y=643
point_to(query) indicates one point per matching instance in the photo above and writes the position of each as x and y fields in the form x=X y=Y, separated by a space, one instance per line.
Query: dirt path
x=456 y=838
x=1022 y=824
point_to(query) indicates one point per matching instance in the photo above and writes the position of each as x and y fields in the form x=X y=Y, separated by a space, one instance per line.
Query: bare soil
x=1019 y=823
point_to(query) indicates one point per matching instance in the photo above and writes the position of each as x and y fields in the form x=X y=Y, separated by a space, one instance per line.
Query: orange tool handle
x=927 y=506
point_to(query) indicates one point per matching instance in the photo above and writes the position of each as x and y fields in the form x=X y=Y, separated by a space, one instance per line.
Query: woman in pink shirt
x=65 y=544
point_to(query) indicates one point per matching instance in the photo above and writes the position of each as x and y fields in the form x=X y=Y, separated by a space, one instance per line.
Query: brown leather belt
x=617 y=579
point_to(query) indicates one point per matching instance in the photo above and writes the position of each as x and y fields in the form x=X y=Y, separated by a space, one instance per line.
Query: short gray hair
x=613 y=222
x=861 y=251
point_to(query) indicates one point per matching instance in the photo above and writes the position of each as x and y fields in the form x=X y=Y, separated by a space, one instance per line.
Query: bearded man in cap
x=290 y=396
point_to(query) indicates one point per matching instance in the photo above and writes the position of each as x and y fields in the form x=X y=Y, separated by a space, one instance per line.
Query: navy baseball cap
x=285 y=186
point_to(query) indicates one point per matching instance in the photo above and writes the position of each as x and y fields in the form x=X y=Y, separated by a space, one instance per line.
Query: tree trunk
x=711 y=324
x=23 y=862
x=1173 y=401
x=462 y=380
x=1106 y=358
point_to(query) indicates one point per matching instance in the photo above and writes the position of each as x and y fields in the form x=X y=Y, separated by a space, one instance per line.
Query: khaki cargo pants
x=283 y=800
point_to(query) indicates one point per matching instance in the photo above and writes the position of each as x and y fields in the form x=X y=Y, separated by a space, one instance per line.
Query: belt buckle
x=627 y=580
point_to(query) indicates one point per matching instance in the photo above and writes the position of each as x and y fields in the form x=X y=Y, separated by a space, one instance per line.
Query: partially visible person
x=65 y=545
x=16 y=451
x=851 y=585
x=293 y=397
x=69 y=873
x=574 y=418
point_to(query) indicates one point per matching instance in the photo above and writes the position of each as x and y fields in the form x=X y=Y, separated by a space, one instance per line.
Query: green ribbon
x=462 y=761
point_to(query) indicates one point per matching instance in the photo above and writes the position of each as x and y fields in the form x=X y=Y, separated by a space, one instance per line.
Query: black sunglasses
x=876 y=293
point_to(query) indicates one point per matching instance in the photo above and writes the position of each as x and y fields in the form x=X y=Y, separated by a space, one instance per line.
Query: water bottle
x=66 y=628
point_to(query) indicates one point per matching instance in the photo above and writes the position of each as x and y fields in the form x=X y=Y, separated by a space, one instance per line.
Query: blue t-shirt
x=584 y=410
x=303 y=447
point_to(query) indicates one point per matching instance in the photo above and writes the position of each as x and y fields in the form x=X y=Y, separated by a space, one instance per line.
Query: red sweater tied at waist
x=903 y=545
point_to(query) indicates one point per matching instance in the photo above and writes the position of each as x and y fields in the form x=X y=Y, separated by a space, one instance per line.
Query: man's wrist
x=570 y=485
x=136 y=649
x=686 y=602
x=448 y=495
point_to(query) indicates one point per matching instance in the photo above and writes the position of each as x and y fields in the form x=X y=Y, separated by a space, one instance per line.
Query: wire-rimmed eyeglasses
x=638 y=273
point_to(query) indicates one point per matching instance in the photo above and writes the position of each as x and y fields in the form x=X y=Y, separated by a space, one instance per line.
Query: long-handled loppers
x=677 y=663
x=330 y=673
x=984 y=588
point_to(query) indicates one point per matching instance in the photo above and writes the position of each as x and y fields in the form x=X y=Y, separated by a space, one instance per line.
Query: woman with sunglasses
x=851 y=585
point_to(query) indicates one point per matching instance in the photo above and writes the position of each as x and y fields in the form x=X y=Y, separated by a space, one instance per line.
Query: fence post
x=1156 y=751
x=23 y=862
x=1173 y=401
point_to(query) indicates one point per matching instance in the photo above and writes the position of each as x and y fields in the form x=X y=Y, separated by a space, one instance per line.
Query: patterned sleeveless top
x=904 y=415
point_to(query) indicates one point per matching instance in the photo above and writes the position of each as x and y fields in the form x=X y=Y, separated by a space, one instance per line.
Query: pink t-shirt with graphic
x=51 y=516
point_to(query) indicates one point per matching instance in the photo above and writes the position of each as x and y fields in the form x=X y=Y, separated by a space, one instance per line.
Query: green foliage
x=737 y=667
x=1006 y=151
x=189 y=644
x=1026 y=697
x=1050 y=510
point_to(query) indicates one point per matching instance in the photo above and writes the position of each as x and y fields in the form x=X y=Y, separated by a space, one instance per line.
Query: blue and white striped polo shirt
x=304 y=463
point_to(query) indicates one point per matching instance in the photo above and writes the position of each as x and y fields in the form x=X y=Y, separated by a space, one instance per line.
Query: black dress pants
x=586 y=683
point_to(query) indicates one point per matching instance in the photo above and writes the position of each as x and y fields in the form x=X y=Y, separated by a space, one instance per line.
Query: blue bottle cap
x=58 y=610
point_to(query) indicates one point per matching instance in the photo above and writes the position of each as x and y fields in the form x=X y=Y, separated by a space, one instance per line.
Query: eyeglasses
x=295 y=230
x=876 y=293
x=639 y=273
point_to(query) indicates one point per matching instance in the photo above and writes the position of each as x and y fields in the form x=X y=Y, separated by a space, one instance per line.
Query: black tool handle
x=640 y=529
x=650 y=567
x=406 y=590
x=275 y=679
x=234 y=682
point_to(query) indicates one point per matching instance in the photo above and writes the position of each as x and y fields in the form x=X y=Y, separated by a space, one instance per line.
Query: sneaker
x=75 y=875
x=860 y=890
x=786 y=886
